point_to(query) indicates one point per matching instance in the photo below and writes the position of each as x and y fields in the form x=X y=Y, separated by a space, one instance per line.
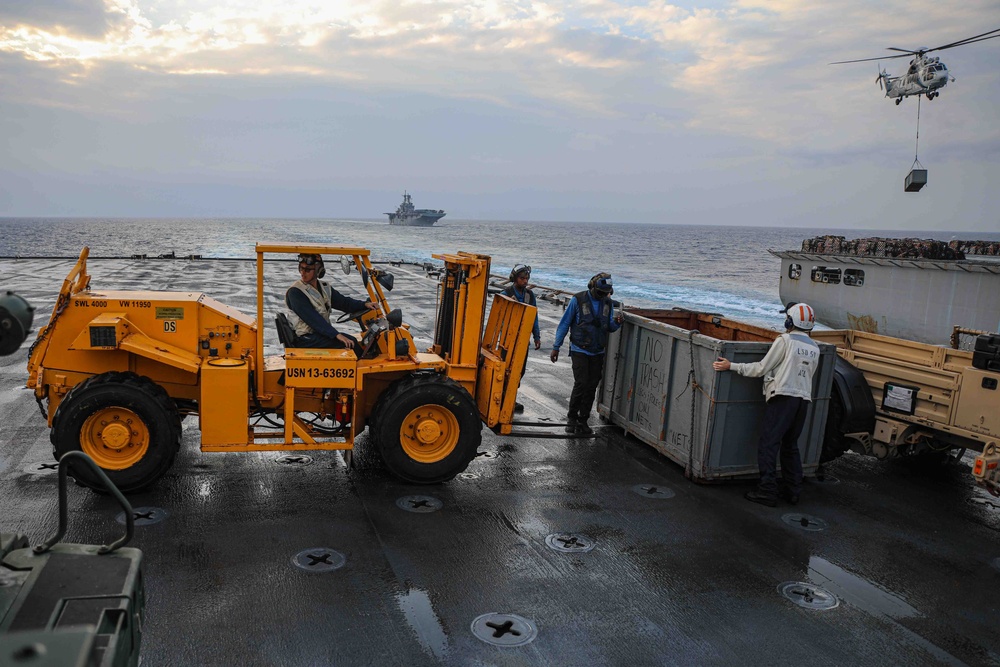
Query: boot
x=785 y=493
x=757 y=496
x=572 y=423
x=788 y=496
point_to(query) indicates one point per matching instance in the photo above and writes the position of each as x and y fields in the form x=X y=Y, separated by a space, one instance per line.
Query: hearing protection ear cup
x=788 y=322
x=593 y=281
x=599 y=276
x=310 y=259
x=519 y=269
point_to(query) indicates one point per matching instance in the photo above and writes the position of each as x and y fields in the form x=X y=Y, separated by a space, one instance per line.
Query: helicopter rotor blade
x=973 y=41
x=905 y=53
x=864 y=60
x=968 y=40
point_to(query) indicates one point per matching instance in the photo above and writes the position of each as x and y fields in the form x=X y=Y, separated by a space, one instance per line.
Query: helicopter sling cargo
x=114 y=373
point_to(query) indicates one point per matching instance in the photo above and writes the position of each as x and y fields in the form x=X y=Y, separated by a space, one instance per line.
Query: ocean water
x=717 y=269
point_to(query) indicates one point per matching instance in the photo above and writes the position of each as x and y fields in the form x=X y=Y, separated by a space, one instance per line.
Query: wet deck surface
x=689 y=575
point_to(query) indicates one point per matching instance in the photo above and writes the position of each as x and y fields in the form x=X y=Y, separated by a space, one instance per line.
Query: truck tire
x=427 y=428
x=126 y=423
x=834 y=441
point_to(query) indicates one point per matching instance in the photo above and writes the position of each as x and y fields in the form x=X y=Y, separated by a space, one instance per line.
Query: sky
x=710 y=112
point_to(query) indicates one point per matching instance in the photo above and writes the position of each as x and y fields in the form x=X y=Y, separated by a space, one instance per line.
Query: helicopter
x=926 y=76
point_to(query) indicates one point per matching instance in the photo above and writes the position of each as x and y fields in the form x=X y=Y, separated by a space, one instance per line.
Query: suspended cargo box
x=916 y=179
x=659 y=385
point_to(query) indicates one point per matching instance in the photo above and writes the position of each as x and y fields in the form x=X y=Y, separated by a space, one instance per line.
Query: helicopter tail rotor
x=878 y=79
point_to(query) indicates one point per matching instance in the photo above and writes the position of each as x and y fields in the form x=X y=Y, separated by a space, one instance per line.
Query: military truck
x=893 y=397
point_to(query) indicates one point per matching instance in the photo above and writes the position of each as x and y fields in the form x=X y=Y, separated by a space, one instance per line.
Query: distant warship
x=411 y=217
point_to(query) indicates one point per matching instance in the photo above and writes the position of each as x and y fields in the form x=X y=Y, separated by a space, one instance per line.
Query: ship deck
x=688 y=575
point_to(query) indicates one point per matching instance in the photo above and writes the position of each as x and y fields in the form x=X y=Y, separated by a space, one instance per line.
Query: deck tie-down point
x=808 y=596
x=504 y=629
x=804 y=521
x=144 y=516
x=294 y=460
x=419 y=504
x=569 y=542
x=653 y=491
x=42 y=468
x=319 y=559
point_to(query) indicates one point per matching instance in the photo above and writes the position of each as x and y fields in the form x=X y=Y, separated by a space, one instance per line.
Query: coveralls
x=787 y=369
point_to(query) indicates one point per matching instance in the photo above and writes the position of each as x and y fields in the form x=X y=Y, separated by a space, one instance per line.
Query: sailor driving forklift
x=311 y=301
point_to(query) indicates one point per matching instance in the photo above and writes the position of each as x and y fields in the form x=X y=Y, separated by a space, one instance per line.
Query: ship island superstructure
x=911 y=288
x=409 y=216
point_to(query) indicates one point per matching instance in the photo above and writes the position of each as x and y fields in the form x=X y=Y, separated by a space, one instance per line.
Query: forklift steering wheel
x=352 y=316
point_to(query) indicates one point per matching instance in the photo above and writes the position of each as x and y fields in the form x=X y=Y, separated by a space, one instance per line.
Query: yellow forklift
x=115 y=372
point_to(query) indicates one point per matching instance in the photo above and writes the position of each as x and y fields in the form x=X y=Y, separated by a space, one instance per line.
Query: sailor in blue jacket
x=588 y=319
x=519 y=291
x=311 y=301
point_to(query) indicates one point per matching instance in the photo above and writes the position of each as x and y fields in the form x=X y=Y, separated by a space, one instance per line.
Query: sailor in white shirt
x=787 y=369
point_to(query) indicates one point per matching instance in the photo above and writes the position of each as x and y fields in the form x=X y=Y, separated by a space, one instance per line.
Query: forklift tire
x=427 y=428
x=126 y=423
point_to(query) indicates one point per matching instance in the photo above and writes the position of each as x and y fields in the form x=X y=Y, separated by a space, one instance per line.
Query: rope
x=916 y=150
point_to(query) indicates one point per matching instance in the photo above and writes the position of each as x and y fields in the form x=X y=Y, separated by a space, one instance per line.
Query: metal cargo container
x=915 y=180
x=659 y=385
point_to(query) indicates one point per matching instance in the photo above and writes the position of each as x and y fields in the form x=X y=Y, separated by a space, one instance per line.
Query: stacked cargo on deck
x=911 y=248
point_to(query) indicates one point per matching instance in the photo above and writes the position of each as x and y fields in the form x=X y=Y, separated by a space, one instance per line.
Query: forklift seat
x=286 y=334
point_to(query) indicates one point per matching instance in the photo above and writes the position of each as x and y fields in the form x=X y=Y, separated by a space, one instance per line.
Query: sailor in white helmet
x=787 y=369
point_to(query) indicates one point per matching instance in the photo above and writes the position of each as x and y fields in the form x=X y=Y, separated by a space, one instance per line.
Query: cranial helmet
x=311 y=259
x=601 y=283
x=800 y=316
x=518 y=270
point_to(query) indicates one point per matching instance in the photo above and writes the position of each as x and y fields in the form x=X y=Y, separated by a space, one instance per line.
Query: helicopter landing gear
x=898 y=100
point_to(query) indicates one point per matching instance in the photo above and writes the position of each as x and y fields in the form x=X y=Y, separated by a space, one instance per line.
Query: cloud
x=588 y=142
x=642 y=89
x=88 y=19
